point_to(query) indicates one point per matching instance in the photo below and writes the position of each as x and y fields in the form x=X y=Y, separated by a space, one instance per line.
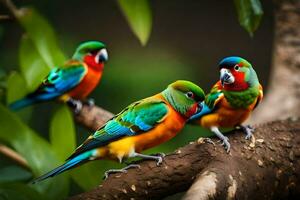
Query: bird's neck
x=170 y=96
x=242 y=99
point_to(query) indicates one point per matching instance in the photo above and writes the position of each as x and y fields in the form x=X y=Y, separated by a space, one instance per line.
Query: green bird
x=140 y=126
x=72 y=82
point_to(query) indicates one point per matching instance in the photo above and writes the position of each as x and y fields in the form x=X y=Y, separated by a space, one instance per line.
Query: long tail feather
x=21 y=103
x=78 y=160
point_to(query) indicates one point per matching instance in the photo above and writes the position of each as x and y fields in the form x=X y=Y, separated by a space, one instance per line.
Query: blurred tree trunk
x=283 y=97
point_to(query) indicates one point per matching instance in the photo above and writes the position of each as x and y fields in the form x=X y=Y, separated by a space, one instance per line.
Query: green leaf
x=36 y=150
x=42 y=36
x=88 y=175
x=18 y=191
x=32 y=65
x=139 y=17
x=249 y=13
x=62 y=132
x=13 y=174
x=16 y=87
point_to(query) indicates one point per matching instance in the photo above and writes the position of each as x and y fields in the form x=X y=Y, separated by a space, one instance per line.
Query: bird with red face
x=74 y=81
x=231 y=100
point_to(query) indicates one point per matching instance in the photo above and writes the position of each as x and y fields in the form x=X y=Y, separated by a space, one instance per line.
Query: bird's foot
x=224 y=139
x=158 y=158
x=248 y=130
x=75 y=104
x=208 y=140
x=226 y=144
x=123 y=170
x=160 y=154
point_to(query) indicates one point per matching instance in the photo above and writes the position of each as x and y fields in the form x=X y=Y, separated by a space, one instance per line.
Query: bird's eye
x=236 y=68
x=190 y=94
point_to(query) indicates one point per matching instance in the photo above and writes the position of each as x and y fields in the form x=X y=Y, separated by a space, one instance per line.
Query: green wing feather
x=214 y=96
x=137 y=118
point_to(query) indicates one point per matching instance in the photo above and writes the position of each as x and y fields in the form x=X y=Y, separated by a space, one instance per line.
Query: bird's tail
x=69 y=164
x=21 y=103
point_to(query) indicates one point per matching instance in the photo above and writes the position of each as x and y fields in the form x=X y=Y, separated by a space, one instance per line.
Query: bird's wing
x=215 y=96
x=137 y=118
x=211 y=100
x=59 y=81
x=260 y=96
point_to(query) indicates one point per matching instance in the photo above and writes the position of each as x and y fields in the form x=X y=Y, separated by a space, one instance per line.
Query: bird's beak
x=103 y=55
x=199 y=107
x=226 y=77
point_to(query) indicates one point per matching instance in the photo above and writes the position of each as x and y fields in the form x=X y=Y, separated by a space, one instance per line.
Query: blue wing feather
x=204 y=111
x=58 y=82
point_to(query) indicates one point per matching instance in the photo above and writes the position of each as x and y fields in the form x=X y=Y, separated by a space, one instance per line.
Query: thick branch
x=267 y=167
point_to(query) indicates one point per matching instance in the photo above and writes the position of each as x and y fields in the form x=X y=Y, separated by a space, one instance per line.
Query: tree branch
x=92 y=117
x=267 y=167
x=14 y=156
x=5 y=18
x=11 y=7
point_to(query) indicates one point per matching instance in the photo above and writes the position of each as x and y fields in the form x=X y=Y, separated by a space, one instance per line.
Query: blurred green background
x=187 y=40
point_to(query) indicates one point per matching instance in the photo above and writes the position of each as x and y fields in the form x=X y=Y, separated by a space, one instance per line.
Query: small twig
x=5 y=17
x=14 y=156
x=93 y=117
x=11 y=7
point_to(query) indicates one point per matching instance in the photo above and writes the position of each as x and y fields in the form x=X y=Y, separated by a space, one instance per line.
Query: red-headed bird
x=142 y=125
x=72 y=82
x=232 y=99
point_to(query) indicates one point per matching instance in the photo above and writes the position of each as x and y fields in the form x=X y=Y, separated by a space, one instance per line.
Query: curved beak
x=199 y=107
x=226 y=76
x=199 y=112
x=103 y=55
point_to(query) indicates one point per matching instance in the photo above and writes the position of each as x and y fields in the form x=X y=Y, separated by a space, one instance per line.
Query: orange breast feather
x=163 y=132
x=87 y=85
x=226 y=116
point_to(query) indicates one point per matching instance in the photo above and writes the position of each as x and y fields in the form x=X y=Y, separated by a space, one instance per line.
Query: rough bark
x=282 y=99
x=268 y=167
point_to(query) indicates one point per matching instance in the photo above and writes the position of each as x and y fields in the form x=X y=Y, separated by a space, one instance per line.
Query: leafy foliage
x=249 y=13
x=36 y=150
x=42 y=36
x=32 y=65
x=139 y=17
x=14 y=82
x=18 y=191
x=14 y=173
x=62 y=132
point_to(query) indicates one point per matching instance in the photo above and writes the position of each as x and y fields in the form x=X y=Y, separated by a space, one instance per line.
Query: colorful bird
x=72 y=82
x=142 y=125
x=231 y=100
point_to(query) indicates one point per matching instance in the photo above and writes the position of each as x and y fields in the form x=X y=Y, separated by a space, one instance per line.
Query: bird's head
x=184 y=96
x=237 y=74
x=93 y=53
